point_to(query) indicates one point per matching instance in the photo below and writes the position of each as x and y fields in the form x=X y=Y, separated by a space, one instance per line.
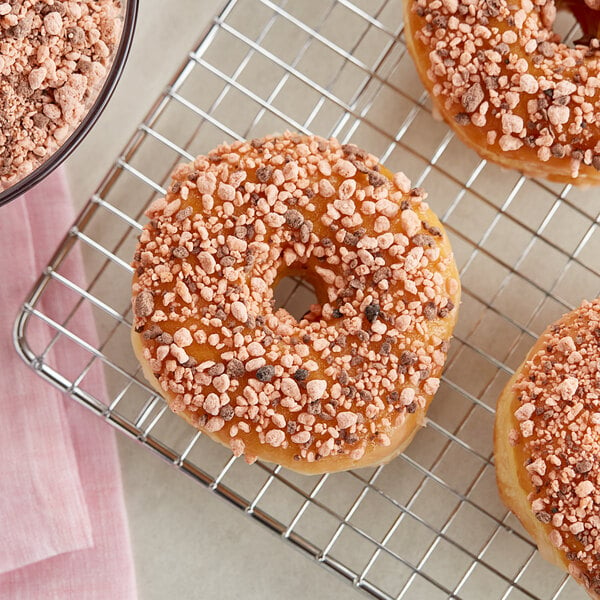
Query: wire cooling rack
x=430 y=524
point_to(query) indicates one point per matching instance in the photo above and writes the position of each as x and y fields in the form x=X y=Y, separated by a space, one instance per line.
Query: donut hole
x=295 y=295
x=577 y=24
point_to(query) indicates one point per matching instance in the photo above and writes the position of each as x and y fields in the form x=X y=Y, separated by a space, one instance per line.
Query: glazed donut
x=547 y=435
x=507 y=85
x=347 y=385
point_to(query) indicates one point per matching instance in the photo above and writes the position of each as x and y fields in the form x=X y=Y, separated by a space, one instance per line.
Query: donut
x=508 y=86
x=349 y=383
x=547 y=434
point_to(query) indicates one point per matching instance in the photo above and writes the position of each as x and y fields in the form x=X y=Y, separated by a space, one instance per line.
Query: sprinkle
x=567 y=388
x=215 y=424
x=585 y=488
x=316 y=388
x=410 y=222
x=239 y=312
x=183 y=338
x=290 y=388
x=275 y=437
x=301 y=437
x=558 y=115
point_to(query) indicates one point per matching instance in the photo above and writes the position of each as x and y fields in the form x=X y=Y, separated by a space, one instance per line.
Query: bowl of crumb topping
x=59 y=64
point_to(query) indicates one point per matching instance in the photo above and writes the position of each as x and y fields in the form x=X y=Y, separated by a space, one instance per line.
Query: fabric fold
x=63 y=531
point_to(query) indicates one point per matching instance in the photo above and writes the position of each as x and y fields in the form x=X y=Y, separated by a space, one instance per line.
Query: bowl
x=97 y=104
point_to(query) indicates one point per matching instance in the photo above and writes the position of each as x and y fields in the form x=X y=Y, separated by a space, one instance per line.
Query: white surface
x=187 y=542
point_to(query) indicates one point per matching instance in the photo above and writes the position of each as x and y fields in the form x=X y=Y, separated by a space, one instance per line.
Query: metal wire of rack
x=430 y=524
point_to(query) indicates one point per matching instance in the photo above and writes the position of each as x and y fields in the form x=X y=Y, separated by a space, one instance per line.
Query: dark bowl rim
x=92 y=115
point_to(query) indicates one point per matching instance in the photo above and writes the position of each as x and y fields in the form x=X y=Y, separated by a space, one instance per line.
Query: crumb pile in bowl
x=54 y=57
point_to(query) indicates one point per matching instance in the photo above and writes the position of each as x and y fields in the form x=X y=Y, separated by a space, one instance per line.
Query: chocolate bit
x=443 y=312
x=381 y=274
x=300 y=375
x=393 y=397
x=235 y=368
x=144 y=304
x=376 y=179
x=385 y=349
x=152 y=333
x=472 y=98
x=190 y=363
x=372 y=311
x=492 y=8
x=557 y=150
x=430 y=311
x=363 y=336
x=226 y=412
x=76 y=36
x=411 y=408
x=343 y=377
x=408 y=358
x=216 y=370
x=349 y=391
x=351 y=239
x=337 y=313
x=423 y=240
x=184 y=213
x=546 y=49
x=294 y=219
x=353 y=150
x=431 y=229
x=543 y=516
x=40 y=120
x=314 y=407
x=180 y=252
x=264 y=174
x=577 y=155
x=291 y=427
x=165 y=338
x=360 y=166
x=227 y=261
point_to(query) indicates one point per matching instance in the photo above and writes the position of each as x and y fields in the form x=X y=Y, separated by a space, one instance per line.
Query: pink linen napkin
x=63 y=527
